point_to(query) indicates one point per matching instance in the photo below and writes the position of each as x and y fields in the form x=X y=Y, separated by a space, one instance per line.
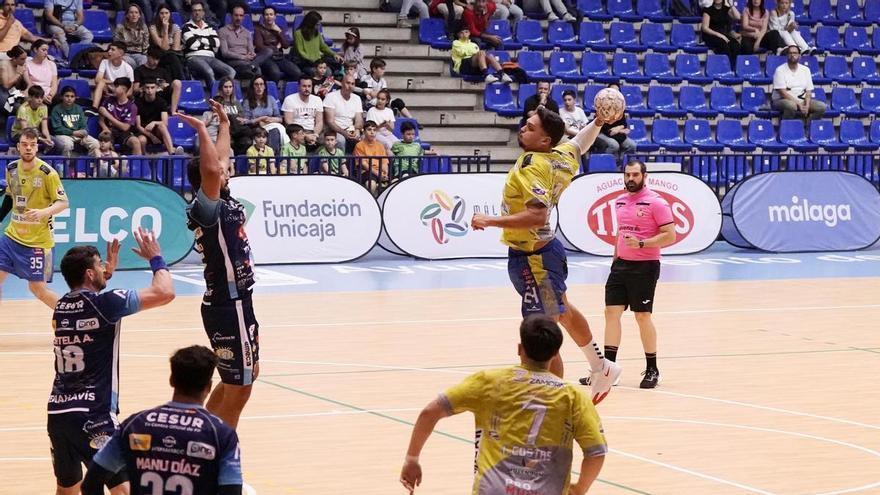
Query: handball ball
x=609 y=104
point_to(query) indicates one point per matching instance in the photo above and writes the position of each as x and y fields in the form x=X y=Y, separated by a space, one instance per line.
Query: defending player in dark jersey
x=84 y=401
x=177 y=448
x=217 y=221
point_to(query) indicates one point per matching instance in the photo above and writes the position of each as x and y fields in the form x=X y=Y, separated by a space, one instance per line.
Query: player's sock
x=611 y=352
x=594 y=355
x=651 y=358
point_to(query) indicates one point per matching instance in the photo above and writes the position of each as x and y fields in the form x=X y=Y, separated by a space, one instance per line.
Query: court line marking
x=48 y=334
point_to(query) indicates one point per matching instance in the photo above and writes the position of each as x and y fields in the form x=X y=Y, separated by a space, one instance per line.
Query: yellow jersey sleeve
x=467 y=395
x=54 y=188
x=588 y=432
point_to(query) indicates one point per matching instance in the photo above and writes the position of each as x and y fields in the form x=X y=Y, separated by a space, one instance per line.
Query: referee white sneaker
x=601 y=381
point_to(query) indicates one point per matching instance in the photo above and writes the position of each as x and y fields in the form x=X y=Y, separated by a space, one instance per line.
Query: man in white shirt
x=111 y=69
x=793 y=89
x=344 y=113
x=305 y=109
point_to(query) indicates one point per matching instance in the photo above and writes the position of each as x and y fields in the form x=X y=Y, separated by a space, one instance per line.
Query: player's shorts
x=75 y=437
x=632 y=283
x=27 y=263
x=234 y=334
x=539 y=277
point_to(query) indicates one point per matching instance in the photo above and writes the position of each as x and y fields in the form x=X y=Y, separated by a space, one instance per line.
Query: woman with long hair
x=718 y=31
x=261 y=110
x=754 y=29
x=309 y=46
x=782 y=21
x=134 y=34
x=351 y=52
x=41 y=71
x=241 y=133
x=165 y=34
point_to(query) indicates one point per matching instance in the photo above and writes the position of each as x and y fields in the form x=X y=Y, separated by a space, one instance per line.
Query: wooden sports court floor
x=768 y=387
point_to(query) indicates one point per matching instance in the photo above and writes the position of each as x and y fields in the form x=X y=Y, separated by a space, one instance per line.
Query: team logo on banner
x=445 y=216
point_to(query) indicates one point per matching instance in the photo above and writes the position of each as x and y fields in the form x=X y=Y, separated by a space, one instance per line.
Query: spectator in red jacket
x=477 y=21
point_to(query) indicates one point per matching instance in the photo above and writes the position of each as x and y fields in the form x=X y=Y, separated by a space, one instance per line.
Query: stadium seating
x=665 y=133
x=623 y=37
x=501 y=28
x=662 y=101
x=653 y=36
x=561 y=35
x=698 y=133
x=594 y=66
x=590 y=93
x=844 y=101
x=639 y=134
x=852 y=132
x=623 y=10
x=600 y=162
x=748 y=67
x=533 y=65
x=823 y=134
x=718 y=68
x=592 y=35
x=688 y=66
x=722 y=99
x=658 y=69
x=653 y=10
x=793 y=134
x=626 y=66
x=730 y=134
x=181 y=133
x=498 y=98
x=693 y=100
x=684 y=37
x=564 y=66
x=762 y=133
x=635 y=103
x=594 y=10
x=531 y=35
x=192 y=97
x=97 y=22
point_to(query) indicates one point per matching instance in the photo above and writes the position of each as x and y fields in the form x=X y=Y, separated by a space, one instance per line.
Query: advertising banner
x=307 y=218
x=588 y=222
x=429 y=216
x=806 y=211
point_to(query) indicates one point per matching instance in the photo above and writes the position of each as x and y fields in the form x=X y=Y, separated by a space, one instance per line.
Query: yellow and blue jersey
x=33 y=189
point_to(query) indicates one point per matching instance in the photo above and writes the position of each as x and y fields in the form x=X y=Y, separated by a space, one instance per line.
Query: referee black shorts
x=632 y=284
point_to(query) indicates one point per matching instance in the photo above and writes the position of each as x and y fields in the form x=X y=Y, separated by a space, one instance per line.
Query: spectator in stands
x=200 y=45
x=269 y=36
x=407 y=7
x=33 y=114
x=43 y=72
x=556 y=8
x=240 y=132
x=152 y=119
x=169 y=87
x=373 y=171
x=237 y=47
x=119 y=116
x=134 y=33
x=309 y=46
x=67 y=124
x=165 y=35
x=111 y=68
x=305 y=109
x=754 y=29
x=260 y=156
x=408 y=152
x=331 y=156
x=383 y=116
x=573 y=115
x=106 y=166
x=63 y=20
x=374 y=83
x=351 y=52
x=261 y=110
x=476 y=19
x=718 y=31
x=13 y=75
x=614 y=137
x=323 y=81
x=343 y=112
x=295 y=149
x=793 y=90
x=782 y=21
x=184 y=6
x=508 y=10
x=541 y=98
x=12 y=32
x=440 y=8
x=468 y=59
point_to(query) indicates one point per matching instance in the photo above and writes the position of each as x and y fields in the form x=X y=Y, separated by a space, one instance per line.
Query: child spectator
x=107 y=168
x=169 y=88
x=323 y=81
x=573 y=115
x=468 y=59
x=295 y=149
x=374 y=171
x=119 y=116
x=261 y=156
x=152 y=119
x=67 y=124
x=384 y=118
x=112 y=68
x=331 y=156
x=376 y=82
x=351 y=52
x=408 y=149
x=33 y=114
x=782 y=21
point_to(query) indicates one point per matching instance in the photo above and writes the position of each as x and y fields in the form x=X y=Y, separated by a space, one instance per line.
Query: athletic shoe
x=491 y=79
x=569 y=18
x=403 y=22
x=505 y=78
x=552 y=17
x=601 y=381
x=651 y=379
x=585 y=381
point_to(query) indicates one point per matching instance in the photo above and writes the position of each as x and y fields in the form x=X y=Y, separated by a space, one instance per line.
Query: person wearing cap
x=351 y=52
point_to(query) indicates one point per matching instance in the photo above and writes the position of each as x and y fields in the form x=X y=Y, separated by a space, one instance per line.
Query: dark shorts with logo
x=539 y=278
x=75 y=437
x=632 y=283
x=233 y=331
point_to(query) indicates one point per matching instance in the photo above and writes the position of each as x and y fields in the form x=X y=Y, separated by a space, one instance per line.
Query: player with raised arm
x=84 y=400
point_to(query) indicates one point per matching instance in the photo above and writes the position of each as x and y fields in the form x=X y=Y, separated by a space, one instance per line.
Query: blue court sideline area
x=380 y=270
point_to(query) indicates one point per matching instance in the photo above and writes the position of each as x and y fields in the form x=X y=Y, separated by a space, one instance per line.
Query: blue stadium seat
x=653 y=36
x=730 y=133
x=400 y=121
x=594 y=66
x=590 y=92
x=626 y=66
x=639 y=134
x=807 y=35
x=849 y=12
x=192 y=97
x=684 y=37
x=705 y=168
x=501 y=28
x=819 y=95
x=533 y=64
x=623 y=37
x=762 y=133
x=844 y=101
x=864 y=69
x=665 y=133
x=813 y=64
x=662 y=101
x=601 y=162
x=97 y=22
x=771 y=63
x=635 y=103
x=828 y=40
x=698 y=133
x=181 y=133
x=718 y=68
x=530 y=34
x=236 y=87
x=500 y=55
x=856 y=39
x=272 y=90
x=592 y=35
x=498 y=98
x=723 y=99
x=653 y=10
x=623 y=10
x=593 y=9
x=822 y=133
x=688 y=66
x=525 y=91
x=693 y=100
x=852 y=132
x=870 y=99
x=432 y=31
x=820 y=13
x=748 y=67
x=792 y=133
x=80 y=86
x=27 y=19
x=754 y=101
x=561 y=34
x=290 y=88
x=564 y=66
x=657 y=68
x=837 y=70
x=283 y=6
x=76 y=48
x=872 y=15
x=874 y=132
x=557 y=90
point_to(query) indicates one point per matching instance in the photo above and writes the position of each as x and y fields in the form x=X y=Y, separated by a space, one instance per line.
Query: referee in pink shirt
x=645 y=225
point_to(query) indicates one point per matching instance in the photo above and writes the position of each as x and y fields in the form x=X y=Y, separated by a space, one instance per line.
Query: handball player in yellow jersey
x=34 y=194
x=536 y=261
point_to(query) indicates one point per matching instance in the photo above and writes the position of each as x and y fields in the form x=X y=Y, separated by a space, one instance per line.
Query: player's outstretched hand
x=193 y=122
x=147 y=245
x=112 y=260
x=218 y=110
x=411 y=475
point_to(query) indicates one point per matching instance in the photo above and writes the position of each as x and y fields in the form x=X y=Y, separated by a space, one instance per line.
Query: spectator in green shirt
x=331 y=156
x=33 y=114
x=295 y=149
x=309 y=46
x=68 y=125
x=411 y=151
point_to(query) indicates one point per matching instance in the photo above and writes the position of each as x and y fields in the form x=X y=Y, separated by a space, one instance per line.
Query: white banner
x=307 y=218
x=588 y=221
x=429 y=216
